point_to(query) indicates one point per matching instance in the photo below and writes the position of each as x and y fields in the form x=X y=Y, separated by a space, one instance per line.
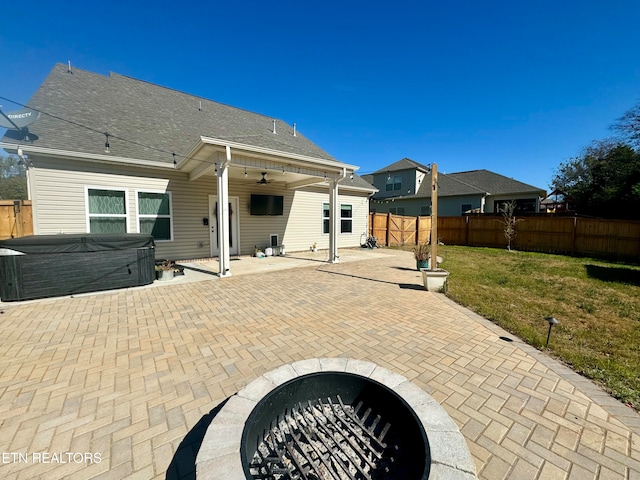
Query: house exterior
x=112 y=154
x=404 y=188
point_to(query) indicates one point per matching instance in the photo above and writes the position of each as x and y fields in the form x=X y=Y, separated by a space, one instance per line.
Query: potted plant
x=164 y=270
x=421 y=254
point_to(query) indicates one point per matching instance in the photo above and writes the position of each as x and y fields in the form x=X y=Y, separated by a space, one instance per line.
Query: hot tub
x=40 y=266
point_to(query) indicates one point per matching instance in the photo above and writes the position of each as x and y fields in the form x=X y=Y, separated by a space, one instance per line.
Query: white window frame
x=170 y=216
x=89 y=216
x=324 y=204
x=393 y=181
x=346 y=218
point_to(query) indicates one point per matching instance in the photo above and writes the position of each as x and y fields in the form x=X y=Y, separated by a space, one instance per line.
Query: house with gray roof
x=404 y=188
x=113 y=154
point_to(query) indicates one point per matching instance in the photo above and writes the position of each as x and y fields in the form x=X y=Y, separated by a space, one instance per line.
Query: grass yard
x=597 y=303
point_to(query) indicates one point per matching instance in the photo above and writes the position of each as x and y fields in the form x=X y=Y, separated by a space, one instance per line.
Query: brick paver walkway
x=131 y=376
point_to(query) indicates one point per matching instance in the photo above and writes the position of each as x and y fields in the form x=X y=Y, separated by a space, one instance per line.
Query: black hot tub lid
x=77 y=242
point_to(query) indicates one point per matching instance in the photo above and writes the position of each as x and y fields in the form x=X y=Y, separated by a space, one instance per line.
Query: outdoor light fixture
x=106 y=142
x=175 y=164
x=245 y=172
x=552 y=321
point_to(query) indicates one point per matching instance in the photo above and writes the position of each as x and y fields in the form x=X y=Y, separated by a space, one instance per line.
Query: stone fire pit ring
x=219 y=457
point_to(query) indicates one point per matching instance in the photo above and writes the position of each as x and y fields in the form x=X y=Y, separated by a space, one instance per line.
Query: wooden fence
x=15 y=218
x=549 y=234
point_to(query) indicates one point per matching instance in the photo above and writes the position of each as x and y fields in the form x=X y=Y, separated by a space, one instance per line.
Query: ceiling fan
x=263 y=180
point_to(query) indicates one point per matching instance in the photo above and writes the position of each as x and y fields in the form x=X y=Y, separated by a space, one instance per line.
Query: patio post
x=334 y=218
x=223 y=215
x=433 y=262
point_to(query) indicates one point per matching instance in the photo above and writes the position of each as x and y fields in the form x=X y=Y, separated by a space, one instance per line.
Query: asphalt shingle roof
x=492 y=182
x=473 y=182
x=404 y=164
x=149 y=115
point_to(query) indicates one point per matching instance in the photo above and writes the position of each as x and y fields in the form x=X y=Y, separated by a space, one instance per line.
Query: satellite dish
x=19 y=119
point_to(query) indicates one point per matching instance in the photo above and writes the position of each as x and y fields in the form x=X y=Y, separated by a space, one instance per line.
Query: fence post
x=573 y=236
x=17 y=217
x=388 y=229
x=466 y=231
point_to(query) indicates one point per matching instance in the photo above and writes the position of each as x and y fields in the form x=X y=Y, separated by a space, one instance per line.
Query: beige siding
x=61 y=207
x=305 y=222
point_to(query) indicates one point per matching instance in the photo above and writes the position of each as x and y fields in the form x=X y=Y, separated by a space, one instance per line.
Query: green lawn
x=597 y=303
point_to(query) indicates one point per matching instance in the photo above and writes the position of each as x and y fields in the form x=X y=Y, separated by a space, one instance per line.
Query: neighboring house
x=405 y=189
x=116 y=154
x=557 y=202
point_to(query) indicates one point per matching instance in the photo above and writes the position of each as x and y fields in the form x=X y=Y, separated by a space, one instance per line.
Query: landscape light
x=552 y=321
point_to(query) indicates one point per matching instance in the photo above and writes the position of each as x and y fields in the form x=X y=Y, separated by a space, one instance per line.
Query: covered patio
x=226 y=160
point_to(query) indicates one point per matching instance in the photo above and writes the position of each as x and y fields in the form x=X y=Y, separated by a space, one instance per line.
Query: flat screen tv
x=267 y=204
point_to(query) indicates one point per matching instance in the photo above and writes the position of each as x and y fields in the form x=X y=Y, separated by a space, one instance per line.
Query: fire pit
x=333 y=419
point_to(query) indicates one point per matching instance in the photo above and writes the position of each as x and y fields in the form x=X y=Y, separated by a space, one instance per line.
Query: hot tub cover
x=81 y=242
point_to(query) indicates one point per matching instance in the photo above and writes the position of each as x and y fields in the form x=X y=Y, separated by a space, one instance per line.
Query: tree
x=509 y=222
x=603 y=181
x=13 y=180
x=628 y=125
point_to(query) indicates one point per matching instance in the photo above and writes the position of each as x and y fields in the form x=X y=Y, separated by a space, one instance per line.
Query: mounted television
x=267 y=204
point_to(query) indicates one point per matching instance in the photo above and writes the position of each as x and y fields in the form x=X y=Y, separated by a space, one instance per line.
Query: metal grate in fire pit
x=325 y=440
x=252 y=435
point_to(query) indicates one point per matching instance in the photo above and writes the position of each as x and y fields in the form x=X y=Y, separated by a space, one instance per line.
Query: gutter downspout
x=483 y=202
x=334 y=218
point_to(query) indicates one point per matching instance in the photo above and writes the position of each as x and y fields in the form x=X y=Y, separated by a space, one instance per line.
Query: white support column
x=334 y=221
x=223 y=216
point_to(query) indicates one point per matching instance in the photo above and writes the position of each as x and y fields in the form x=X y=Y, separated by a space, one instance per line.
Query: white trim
x=87 y=214
x=275 y=153
x=322 y=232
x=346 y=186
x=170 y=216
x=346 y=218
x=91 y=157
x=340 y=218
x=236 y=223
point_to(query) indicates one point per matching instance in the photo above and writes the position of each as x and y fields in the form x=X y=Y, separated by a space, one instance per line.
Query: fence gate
x=401 y=230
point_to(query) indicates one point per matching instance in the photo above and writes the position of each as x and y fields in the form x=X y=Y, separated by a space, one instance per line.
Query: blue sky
x=511 y=86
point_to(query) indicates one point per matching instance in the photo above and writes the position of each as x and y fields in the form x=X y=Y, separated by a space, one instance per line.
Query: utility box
x=41 y=266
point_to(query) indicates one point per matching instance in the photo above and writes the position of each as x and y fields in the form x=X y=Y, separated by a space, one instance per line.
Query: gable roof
x=472 y=182
x=403 y=164
x=155 y=120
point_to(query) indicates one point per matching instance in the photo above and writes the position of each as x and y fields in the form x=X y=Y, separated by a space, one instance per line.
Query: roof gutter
x=54 y=152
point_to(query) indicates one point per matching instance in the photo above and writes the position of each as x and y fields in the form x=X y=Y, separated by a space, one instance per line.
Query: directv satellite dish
x=19 y=119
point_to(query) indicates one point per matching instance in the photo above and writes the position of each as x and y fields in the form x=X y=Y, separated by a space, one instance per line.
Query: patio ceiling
x=248 y=162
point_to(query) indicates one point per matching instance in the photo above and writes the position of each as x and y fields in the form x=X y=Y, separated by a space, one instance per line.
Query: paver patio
x=133 y=375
